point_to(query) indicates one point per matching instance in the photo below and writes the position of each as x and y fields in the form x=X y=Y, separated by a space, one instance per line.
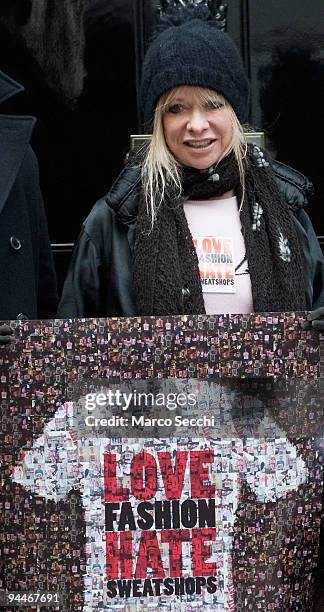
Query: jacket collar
x=294 y=186
x=15 y=134
x=123 y=195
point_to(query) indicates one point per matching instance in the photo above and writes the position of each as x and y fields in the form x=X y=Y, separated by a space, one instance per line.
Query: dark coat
x=99 y=281
x=27 y=277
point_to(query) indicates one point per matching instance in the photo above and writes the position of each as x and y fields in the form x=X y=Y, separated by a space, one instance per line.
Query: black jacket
x=99 y=281
x=27 y=277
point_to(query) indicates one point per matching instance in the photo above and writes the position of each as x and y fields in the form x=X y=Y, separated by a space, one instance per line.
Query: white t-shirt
x=216 y=230
x=59 y=461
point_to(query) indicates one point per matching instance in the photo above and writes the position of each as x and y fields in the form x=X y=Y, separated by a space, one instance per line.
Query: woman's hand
x=6 y=334
x=315 y=319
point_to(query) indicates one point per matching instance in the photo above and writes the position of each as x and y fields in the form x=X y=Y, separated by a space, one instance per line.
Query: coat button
x=185 y=291
x=15 y=243
x=22 y=317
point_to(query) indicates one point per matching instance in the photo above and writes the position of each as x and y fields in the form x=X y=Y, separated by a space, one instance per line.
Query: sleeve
x=273 y=468
x=314 y=259
x=47 y=298
x=81 y=291
x=44 y=270
x=49 y=467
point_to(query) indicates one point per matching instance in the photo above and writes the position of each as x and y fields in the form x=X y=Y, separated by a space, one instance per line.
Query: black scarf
x=166 y=272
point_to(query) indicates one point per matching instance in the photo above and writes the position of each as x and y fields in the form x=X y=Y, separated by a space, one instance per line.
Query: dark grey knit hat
x=194 y=53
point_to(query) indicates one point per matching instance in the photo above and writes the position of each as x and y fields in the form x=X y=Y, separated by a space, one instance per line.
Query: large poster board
x=162 y=463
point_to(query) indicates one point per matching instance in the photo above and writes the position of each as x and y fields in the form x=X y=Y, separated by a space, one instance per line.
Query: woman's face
x=196 y=131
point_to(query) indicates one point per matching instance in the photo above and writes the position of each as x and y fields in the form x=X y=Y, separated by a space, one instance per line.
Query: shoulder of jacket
x=123 y=195
x=295 y=187
x=120 y=203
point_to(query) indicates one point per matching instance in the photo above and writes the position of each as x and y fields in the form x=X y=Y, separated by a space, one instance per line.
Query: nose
x=197 y=121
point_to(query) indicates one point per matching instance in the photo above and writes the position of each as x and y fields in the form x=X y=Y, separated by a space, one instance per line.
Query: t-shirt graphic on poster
x=159 y=513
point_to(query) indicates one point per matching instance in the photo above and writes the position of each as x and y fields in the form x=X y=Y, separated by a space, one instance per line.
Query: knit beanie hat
x=194 y=53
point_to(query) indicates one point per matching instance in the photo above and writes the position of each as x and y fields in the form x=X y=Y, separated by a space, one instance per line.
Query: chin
x=201 y=165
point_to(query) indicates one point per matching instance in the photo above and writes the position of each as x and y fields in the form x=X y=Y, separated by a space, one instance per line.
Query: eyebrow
x=177 y=100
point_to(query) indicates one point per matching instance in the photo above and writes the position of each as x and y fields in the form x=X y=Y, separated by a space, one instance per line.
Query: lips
x=199 y=144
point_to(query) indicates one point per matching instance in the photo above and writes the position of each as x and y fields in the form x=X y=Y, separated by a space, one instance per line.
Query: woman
x=200 y=221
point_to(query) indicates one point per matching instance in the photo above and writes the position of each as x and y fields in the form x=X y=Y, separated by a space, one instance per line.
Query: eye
x=175 y=108
x=213 y=105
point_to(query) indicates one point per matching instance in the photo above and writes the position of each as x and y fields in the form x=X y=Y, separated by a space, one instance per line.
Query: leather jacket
x=99 y=280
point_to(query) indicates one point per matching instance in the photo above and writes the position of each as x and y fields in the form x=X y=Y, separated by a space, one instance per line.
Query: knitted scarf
x=166 y=272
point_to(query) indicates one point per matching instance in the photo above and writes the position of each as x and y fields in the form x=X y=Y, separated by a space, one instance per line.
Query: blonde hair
x=160 y=167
